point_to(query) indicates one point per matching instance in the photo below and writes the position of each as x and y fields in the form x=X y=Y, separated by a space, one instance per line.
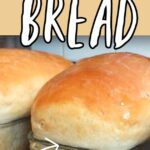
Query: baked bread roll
x=22 y=74
x=101 y=103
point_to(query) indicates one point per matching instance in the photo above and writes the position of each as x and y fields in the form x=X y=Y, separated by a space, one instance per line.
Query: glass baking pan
x=13 y=135
x=36 y=144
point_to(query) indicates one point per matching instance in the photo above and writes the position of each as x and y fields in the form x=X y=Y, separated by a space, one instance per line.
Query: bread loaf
x=101 y=103
x=22 y=74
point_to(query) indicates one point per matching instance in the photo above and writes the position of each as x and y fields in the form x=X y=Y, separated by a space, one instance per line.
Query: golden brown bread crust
x=22 y=74
x=100 y=103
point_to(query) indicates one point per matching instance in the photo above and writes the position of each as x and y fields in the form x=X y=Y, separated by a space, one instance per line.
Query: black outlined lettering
x=103 y=18
x=73 y=22
x=120 y=39
x=51 y=22
x=29 y=27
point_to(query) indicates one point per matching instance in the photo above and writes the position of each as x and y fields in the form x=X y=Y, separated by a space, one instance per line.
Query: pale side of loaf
x=101 y=103
x=22 y=74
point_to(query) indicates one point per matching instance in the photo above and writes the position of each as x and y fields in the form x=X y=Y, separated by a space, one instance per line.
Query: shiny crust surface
x=22 y=74
x=100 y=103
